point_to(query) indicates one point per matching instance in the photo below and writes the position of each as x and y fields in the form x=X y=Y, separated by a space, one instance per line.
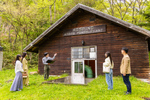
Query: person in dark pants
x=46 y=65
x=125 y=69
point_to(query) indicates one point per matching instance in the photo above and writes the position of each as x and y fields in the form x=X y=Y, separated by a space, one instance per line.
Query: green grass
x=95 y=90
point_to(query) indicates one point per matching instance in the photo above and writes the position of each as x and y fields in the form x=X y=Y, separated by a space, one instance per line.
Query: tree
x=127 y=10
x=23 y=20
x=146 y=14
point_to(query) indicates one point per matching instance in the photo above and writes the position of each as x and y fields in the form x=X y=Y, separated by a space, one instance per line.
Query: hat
x=45 y=53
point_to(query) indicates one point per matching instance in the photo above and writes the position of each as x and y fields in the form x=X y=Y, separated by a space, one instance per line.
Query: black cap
x=45 y=53
x=125 y=49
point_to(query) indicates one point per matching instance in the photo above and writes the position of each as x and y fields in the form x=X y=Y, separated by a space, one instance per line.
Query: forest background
x=21 y=21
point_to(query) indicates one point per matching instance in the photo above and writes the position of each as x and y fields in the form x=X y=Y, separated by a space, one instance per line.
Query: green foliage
x=21 y=21
x=146 y=14
x=95 y=90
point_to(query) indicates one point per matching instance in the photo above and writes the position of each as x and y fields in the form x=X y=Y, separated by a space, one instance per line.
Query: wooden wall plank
x=113 y=40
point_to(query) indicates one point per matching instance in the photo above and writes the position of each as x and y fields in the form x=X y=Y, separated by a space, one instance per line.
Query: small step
x=87 y=80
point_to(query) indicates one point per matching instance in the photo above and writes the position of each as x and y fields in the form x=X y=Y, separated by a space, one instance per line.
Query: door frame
x=78 y=74
x=84 y=59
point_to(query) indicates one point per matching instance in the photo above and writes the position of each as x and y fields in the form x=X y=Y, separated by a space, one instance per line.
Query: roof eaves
x=116 y=20
x=96 y=12
x=51 y=27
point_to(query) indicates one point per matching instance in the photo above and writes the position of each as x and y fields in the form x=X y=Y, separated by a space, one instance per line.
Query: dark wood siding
x=113 y=40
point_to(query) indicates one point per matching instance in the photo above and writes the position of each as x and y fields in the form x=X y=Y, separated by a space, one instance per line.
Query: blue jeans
x=127 y=82
x=109 y=79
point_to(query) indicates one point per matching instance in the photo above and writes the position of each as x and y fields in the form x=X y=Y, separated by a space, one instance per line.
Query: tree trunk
x=10 y=37
x=54 y=11
x=50 y=13
x=133 y=9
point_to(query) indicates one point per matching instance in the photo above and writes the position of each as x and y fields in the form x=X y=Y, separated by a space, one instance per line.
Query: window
x=77 y=53
x=83 y=52
x=78 y=67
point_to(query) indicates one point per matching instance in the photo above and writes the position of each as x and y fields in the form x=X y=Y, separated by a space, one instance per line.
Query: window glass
x=92 y=49
x=86 y=52
x=78 y=67
x=82 y=52
x=77 y=53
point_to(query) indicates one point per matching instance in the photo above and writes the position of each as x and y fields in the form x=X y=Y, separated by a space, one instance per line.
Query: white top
x=18 y=67
x=107 y=63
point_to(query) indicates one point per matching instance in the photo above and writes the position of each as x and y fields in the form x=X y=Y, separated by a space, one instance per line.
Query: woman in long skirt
x=25 y=68
x=18 y=81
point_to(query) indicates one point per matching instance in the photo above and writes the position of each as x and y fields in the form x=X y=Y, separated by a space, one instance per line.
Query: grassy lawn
x=96 y=90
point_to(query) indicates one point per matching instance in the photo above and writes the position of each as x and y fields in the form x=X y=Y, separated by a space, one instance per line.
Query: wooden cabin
x=83 y=35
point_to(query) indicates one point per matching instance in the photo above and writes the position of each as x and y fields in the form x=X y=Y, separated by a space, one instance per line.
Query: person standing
x=109 y=76
x=17 y=83
x=25 y=68
x=46 y=65
x=125 y=69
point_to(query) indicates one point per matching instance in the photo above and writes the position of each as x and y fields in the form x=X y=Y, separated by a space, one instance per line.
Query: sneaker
x=127 y=93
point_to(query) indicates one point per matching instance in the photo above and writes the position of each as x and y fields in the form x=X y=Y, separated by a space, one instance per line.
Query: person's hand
x=55 y=54
x=124 y=74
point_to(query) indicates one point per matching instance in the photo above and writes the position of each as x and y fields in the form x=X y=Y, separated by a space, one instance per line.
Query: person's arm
x=106 y=63
x=24 y=64
x=112 y=64
x=125 y=66
x=44 y=61
x=49 y=58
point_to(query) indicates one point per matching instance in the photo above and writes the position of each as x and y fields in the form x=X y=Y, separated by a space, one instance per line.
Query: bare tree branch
x=127 y=7
x=105 y=7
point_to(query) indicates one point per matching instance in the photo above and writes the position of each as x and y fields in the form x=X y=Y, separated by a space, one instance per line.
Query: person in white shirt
x=18 y=81
x=109 y=76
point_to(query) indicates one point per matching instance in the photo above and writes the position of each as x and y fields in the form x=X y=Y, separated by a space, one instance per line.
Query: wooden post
x=1 y=57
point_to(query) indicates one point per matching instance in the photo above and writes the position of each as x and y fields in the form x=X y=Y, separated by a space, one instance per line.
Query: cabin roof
x=33 y=46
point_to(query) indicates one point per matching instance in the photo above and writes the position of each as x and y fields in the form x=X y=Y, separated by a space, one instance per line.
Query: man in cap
x=46 y=65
